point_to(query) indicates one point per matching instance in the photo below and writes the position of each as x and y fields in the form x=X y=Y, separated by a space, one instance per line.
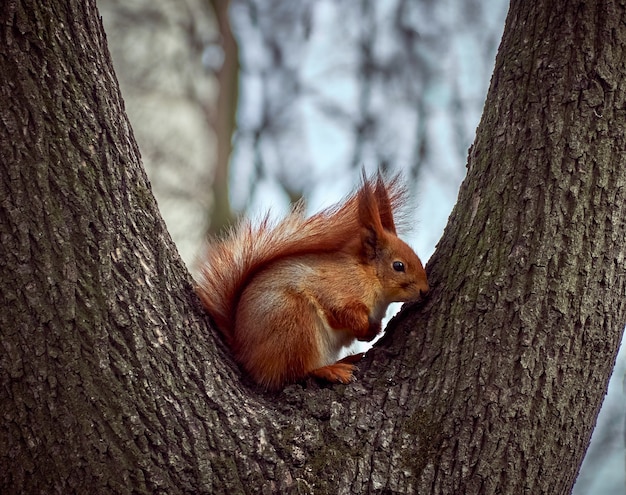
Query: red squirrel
x=288 y=297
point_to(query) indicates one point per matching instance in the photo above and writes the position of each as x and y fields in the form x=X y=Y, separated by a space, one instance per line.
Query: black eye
x=398 y=266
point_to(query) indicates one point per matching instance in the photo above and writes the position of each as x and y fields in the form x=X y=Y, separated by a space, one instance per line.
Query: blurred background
x=245 y=106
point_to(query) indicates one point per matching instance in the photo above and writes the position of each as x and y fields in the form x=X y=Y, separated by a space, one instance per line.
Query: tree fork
x=112 y=380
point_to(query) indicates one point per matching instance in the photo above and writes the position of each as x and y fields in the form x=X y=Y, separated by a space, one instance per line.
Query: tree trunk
x=113 y=381
x=529 y=307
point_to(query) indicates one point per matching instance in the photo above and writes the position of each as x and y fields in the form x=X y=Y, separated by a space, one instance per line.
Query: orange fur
x=288 y=297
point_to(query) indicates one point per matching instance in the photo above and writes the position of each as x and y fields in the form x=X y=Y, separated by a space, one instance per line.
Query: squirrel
x=288 y=297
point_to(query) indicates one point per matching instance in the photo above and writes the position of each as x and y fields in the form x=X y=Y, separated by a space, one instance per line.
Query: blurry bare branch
x=224 y=117
x=333 y=86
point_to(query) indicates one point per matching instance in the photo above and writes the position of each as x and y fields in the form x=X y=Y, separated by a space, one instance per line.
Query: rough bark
x=91 y=328
x=538 y=237
x=112 y=380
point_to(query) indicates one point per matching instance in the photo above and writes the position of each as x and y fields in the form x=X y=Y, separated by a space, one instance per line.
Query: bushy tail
x=230 y=263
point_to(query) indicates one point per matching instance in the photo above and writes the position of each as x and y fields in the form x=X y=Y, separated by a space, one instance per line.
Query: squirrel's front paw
x=374 y=328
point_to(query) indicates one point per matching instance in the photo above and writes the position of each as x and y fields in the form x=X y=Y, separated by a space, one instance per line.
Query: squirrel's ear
x=385 y=210
x=369 y=243
x=369 y=215
x=370 y=220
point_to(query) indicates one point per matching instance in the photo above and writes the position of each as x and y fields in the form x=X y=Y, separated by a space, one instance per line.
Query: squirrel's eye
x=398 y=266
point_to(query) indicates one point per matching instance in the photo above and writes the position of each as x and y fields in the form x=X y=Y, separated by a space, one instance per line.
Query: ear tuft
x=385 y=208
x=369 y=214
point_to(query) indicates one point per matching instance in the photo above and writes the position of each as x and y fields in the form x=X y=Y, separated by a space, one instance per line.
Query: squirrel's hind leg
x=337 y=373
x=340 y=372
